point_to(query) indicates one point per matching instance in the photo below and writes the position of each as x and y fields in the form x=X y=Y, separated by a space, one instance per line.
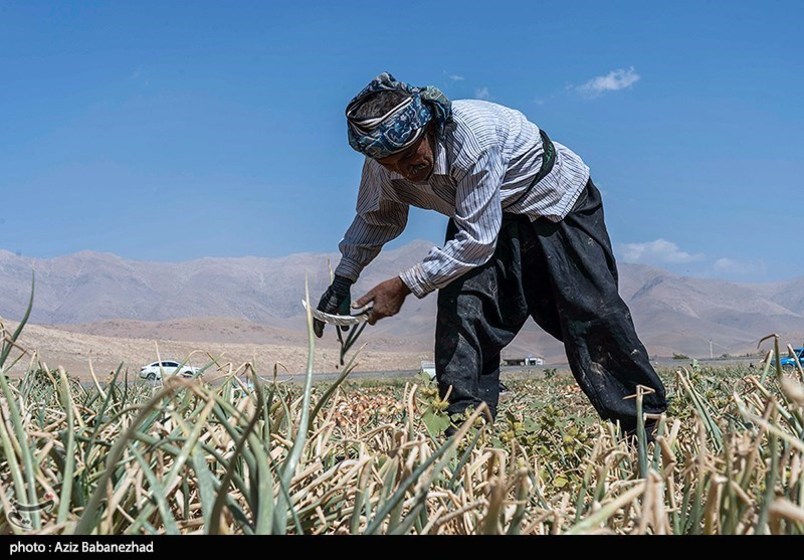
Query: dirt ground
x=77 y=352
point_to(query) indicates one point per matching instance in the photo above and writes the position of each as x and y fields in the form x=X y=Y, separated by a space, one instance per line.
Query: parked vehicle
x=245 y=387
x=154 y=371
x=428 y=368
x=523 y=361
x=790 y=361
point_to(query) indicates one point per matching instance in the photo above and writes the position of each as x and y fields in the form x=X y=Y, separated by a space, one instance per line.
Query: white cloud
x=482 y=93
x=613 y=81
x=456 y=78
x=731 y=266
x=657 y=252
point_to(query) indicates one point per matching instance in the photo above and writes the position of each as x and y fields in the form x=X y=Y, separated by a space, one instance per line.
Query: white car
x=154 y=371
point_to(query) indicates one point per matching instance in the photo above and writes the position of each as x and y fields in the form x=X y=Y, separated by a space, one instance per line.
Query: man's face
x=415 y=163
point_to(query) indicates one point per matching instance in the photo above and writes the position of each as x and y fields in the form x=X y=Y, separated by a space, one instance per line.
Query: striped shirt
x=486 y=160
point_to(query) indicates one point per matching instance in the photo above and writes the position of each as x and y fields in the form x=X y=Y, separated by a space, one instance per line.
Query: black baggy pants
x=564 y=276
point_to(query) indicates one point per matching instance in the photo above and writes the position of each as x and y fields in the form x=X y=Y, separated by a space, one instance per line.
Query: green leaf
x=435 y=422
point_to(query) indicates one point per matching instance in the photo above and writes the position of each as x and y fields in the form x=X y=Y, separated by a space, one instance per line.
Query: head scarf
x=399 y=128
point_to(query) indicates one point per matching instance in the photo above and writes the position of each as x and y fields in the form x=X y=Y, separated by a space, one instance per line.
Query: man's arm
x=478 y=217
x=378 y=220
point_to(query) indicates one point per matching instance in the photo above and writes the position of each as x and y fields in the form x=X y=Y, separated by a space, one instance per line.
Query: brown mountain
x=254 y=300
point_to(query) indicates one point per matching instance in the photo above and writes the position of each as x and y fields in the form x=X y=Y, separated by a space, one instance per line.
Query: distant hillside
x=259 y=300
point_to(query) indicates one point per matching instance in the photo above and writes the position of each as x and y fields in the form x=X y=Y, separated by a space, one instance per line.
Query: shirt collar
x=440 y=158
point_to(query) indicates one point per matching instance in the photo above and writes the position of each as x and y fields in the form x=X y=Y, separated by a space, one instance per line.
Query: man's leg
x=605 y=355
x=478 y=315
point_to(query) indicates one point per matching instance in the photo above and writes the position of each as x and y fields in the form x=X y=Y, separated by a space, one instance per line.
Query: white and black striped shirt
x=489 y=156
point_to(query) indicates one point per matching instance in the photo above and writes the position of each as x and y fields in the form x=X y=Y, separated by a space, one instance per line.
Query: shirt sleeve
x=378 y=220
x=478 y=217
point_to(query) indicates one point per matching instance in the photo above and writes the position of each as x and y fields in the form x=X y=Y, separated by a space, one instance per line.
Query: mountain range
x=255 y=300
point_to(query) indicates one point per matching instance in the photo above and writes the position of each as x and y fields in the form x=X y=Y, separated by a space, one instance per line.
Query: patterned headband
x=400 y=127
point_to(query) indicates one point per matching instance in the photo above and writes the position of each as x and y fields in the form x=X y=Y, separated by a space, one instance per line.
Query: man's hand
x=335 y=300
x=388 y=298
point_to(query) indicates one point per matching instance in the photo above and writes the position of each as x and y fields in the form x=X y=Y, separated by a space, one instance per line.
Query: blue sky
x=177 y=130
